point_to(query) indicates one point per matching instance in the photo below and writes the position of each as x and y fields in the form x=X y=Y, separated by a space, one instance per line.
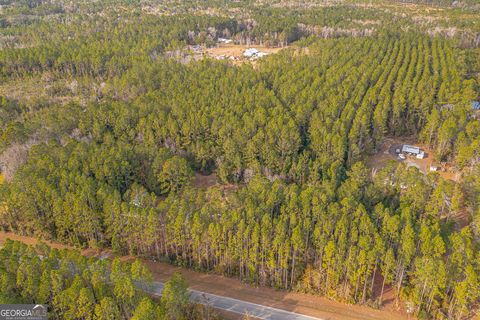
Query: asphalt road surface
x=238 y=306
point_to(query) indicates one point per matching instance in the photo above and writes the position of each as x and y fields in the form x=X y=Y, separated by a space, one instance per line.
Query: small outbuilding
x=224 y=40
x=250 y=52
x=413 y=151
x=410 y=149
x=476 y=105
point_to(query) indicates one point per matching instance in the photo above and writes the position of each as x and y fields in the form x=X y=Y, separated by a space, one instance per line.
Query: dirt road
x=304 y=304
x=387 y=152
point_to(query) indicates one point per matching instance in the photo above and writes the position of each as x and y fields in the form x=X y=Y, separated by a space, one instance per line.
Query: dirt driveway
x=387 y=152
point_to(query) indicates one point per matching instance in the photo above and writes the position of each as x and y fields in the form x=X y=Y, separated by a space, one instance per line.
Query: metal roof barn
x=410 y=149
x=250 y=52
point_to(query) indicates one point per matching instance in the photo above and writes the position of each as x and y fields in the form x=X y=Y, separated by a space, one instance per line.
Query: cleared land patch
x=203 y=181
x=237 y=50
x=388 y=152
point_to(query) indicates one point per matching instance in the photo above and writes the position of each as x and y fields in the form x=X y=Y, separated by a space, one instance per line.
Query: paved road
x=238 y=306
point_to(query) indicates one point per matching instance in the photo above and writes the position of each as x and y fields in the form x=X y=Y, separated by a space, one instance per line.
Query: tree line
x=292 y=118
x=76 y=287
x=340 y=237
x=296 y=209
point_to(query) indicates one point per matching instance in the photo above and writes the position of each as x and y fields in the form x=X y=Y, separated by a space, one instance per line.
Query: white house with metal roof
x=416 y=151
x=250 y=52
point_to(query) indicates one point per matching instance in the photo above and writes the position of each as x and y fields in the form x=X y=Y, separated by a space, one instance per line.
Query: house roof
x=476 y=105
x=250 y=52
x=410 y=149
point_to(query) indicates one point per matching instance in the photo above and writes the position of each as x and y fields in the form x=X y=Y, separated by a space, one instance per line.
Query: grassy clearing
x=39 y=89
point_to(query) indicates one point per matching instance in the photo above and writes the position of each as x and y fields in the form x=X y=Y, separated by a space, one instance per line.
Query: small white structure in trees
x=421 y=155
x=253 y=53
x=476 y=105
x=250 y=52
x=224 y=40
x=413 y=151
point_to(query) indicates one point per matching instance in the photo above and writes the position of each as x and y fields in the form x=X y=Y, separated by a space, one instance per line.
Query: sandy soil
x=297 y=302
x=236 y=50
x=202 y=181
x=31 y=241
x=205 y=182
x=387 y=153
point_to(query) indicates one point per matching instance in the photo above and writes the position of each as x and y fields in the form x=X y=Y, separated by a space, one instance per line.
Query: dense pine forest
x=106 y=127
x=77 y=287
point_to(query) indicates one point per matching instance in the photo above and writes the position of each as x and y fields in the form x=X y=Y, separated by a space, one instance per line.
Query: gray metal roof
x=410 y=149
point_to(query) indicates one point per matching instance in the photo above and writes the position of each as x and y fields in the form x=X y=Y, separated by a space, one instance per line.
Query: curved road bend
x=238 y=306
